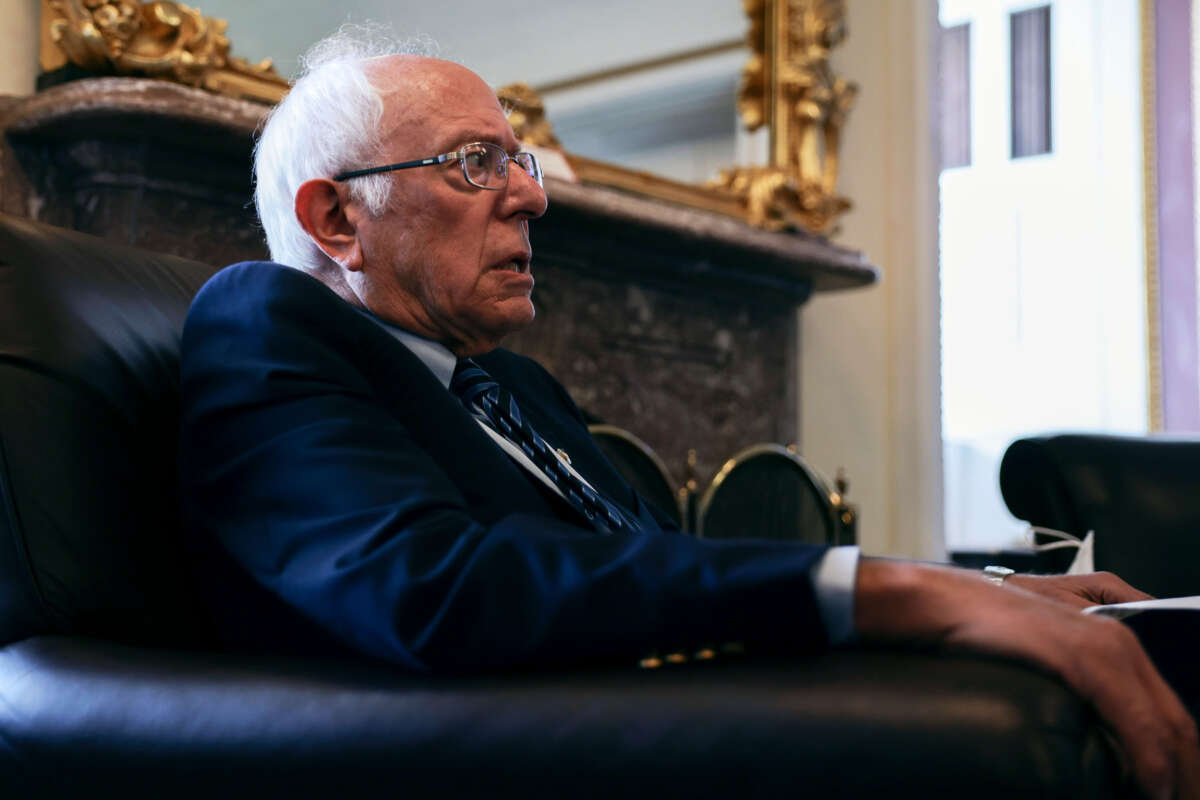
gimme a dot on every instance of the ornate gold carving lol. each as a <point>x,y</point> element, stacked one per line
<point>153,39</point>
<point>768,194</point>
<point>527,115</point>
<point>708,198</point>
<point>752,94</point>
<point>789,86</point>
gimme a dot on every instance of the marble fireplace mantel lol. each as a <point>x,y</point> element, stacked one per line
<point>675,323</point>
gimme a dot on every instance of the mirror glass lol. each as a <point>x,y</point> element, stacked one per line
<point>646,84</point>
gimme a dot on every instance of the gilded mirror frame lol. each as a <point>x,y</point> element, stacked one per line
<point>787,86</point>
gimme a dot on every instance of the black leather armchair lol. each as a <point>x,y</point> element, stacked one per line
<point>1140,494</point>
<point>110,682</point>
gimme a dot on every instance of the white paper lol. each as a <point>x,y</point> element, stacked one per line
<point>1085,560</point>
<point>1122,610</point>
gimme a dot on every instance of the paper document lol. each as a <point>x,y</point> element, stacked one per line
<point>1122,610</point>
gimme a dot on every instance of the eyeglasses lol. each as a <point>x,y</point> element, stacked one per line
<point>483,164</point>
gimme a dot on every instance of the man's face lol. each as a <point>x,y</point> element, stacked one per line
<point>448,260</point>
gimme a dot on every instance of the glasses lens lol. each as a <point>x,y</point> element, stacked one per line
<point>485,165</point>
<point>530,165</point>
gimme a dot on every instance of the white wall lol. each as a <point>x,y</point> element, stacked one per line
<point>19,35</point>
<point>869,386</point>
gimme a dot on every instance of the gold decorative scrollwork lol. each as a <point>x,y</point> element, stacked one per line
<point>752,94</point>
<point>527,115</point>
<point>789,86</point>
<point>153,39</point>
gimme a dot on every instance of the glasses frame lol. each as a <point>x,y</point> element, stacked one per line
<point>460,156</point>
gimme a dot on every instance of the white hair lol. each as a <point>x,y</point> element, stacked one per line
<point>328,123</point>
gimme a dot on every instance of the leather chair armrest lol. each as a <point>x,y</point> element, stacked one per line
<point>79,715</point>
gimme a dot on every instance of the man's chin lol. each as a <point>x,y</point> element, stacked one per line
<point>491,334</point>
<point>521,317</point>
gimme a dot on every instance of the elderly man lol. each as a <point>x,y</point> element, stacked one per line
<point>365,469</point>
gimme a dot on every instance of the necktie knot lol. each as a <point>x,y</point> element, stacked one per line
<point>470,380</point>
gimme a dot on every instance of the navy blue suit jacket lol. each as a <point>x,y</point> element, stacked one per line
<point>338,495</point>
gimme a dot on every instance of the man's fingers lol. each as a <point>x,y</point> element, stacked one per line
<point>1100,658</point>
<point>1189,780</point>
<point>1063,588</point>
<point>1104,669</point>
<point>1155,730</point>
<point>1111,589</point>
<point>1080,591</point>
<point>1182,728</point>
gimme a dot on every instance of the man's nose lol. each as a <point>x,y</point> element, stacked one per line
<point>524,194</point>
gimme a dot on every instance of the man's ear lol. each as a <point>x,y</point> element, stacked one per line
<point>322,211</point>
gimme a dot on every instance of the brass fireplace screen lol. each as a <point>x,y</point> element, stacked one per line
<point>787,86</point>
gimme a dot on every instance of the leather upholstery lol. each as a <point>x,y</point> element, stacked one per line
<point>89,554</point>
<point>1141,495</point>
<point>87,714</point>
<point>89,338</point>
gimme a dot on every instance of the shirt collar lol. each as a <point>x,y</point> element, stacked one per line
<point>437,357</point>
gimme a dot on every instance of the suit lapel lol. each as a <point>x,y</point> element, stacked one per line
<point>493,484</point>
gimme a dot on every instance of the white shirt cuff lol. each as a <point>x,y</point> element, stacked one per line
<point>833,584</point>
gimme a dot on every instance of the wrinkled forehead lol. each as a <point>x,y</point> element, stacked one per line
<point>433,105</point>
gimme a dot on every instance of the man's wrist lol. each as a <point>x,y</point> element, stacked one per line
<point>886,591</point>
<point>910,601</point>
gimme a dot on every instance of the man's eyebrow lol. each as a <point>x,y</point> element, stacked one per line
<point>467,137</point>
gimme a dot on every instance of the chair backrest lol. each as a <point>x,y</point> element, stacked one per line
<point>640,466</point>
<point>768,492</point>
<point>1141,495</point>
<point>89,382</point>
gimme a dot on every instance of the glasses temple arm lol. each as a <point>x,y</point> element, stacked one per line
<point>420,162</point>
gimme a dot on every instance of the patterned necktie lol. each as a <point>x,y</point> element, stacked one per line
<point>484,397</point>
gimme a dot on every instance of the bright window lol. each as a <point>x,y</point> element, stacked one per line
<point>1042,276</point>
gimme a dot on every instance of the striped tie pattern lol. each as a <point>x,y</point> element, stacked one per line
<point>485,398</point>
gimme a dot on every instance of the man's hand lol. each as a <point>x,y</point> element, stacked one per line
<point>1081,591</point>
<point>1098,657</point>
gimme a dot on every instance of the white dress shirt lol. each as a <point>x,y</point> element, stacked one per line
<point>833,576</point>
